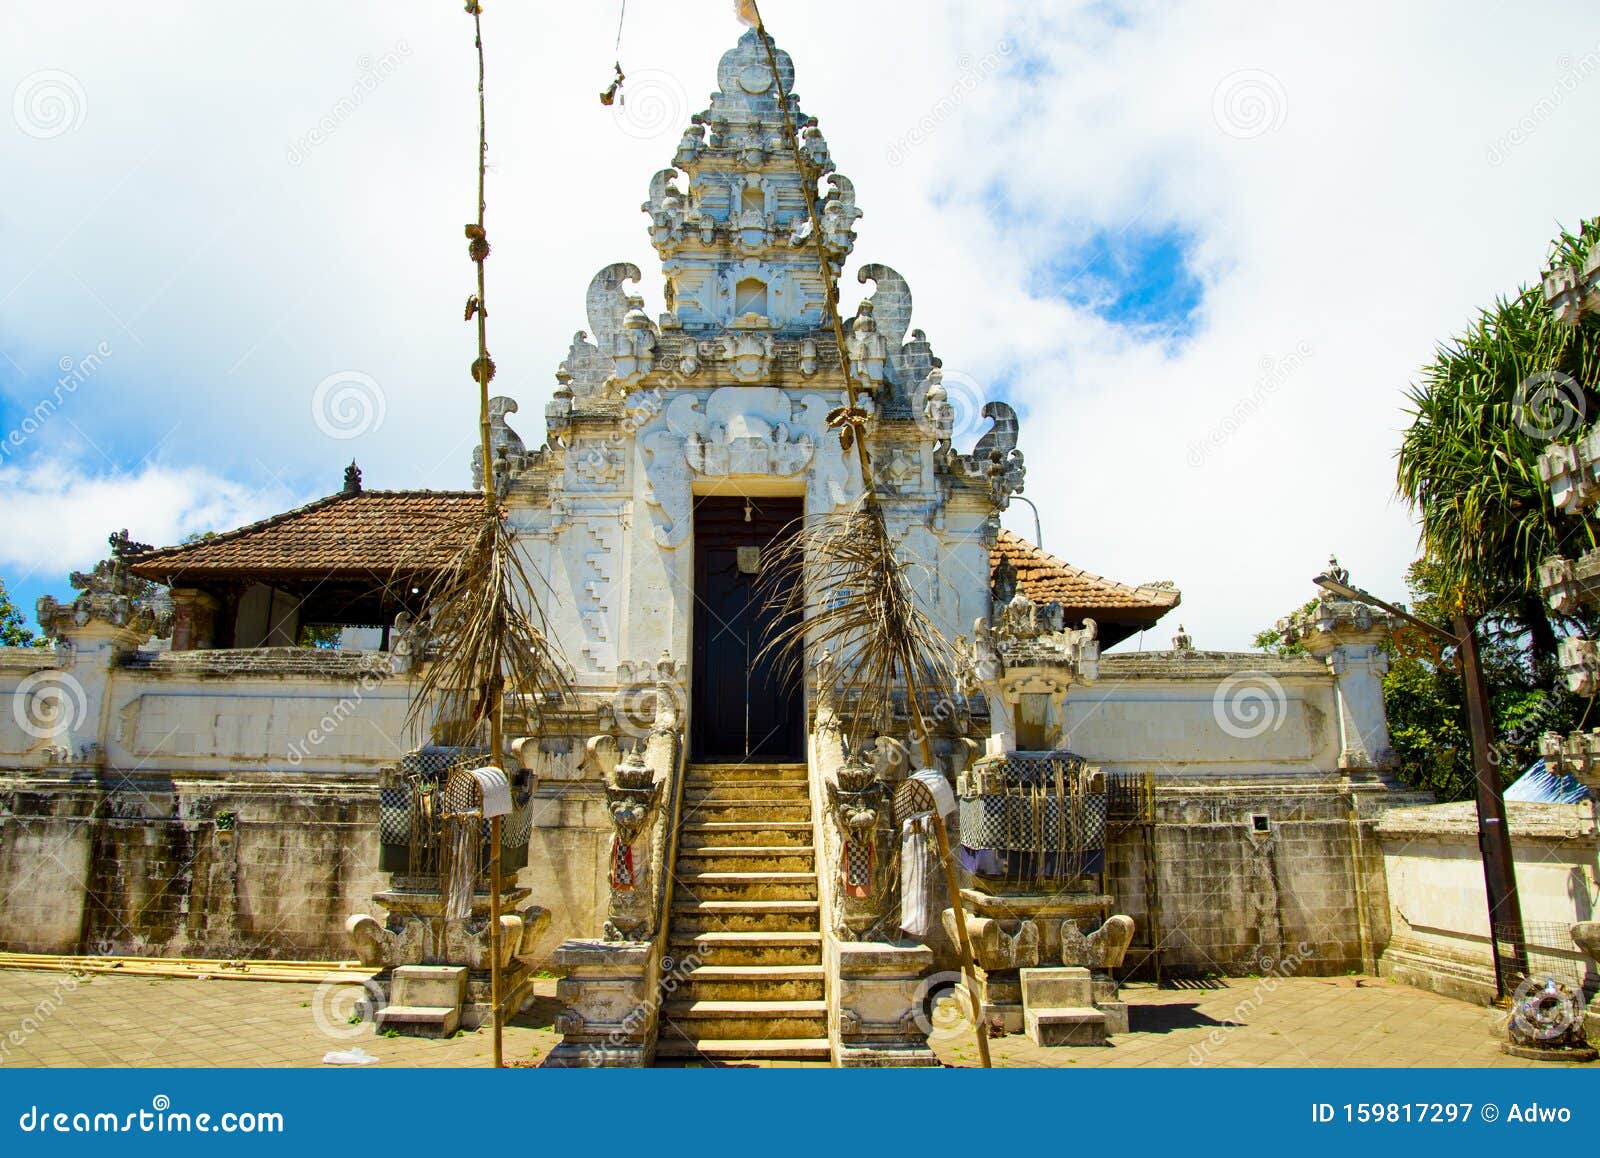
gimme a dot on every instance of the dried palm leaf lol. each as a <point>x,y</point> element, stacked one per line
<point>844,587</point>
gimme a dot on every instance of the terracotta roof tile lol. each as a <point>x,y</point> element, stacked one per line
<point>1046,579</point>
<point>365,532</point>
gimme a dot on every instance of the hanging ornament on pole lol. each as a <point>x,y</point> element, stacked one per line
<point>613,92</point>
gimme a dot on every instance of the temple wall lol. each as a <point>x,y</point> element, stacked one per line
<point>1260,851</point>
<point>1437,902</point>
<point>196,804</point>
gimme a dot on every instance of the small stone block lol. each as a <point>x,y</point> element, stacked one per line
<point>429,985</point>
<point>1116,1015</point>
<point>1077,1027</point>
<point>419,1020</point>
<point>1065,988</point>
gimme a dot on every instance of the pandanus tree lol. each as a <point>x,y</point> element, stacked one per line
<point>1493,397</point>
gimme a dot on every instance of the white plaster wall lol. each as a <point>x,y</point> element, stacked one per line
<point>1179,724</point>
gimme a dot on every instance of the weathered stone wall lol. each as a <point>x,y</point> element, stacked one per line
<point>1251,849</point>
<point>137,863</point>
<point>1230,899</point>
<point>1437,901</point>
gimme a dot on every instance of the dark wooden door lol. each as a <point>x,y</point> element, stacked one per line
<point>743,707</point>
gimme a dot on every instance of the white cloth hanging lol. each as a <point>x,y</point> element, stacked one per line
<point>939,788</point>
<point>496,790</point>
<point>916,875</point>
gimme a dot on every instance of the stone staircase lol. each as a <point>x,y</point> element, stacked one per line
<point>745,923</point>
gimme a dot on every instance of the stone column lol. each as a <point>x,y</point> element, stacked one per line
<point>91,634</point>
<point>1348,637</point>
<point>877,1021</point>
<point>194,615</point>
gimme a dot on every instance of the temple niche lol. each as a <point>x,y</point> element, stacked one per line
<point>688,829</point>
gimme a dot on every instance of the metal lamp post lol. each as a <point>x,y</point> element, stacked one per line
<point>1506,941</point>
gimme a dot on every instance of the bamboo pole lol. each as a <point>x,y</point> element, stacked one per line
<point>490,502</point>
<point>830,294</point>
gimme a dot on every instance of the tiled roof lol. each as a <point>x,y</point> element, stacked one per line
<point>375,532</point>
<point>1045,579</point>
<point>364,532</point>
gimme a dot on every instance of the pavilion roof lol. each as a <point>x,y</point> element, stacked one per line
<point>1082,594</point>
<point>364,532</point>
<point>377,532</point>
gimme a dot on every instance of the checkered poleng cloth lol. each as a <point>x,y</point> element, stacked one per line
<point>1017,810</point>
<point>858,867</point>
<point>431,765</point>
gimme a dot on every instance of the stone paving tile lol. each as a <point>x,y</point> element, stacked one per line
<point>1319,1022</point>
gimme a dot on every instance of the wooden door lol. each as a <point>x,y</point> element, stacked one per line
<point>743,707</point>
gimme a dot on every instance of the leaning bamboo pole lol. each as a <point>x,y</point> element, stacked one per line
<point>852,421</point>
<point>494,693</point>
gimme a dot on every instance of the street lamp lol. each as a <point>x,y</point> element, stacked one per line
<point>1494,838</point>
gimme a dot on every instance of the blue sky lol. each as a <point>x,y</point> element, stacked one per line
<point>1129,219</point>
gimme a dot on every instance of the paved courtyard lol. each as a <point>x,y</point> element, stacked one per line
<point>109,1020</point>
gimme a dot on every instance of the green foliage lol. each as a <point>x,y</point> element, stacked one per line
<point>13,626</point>
<point>324,635</point>
<point>1468,464</point>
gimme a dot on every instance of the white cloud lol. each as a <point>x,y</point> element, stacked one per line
<point>1382,203</point>
<point>58,518</point>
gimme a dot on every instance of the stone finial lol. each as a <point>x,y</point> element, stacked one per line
<point>1183,641</point>
<point>352,479</point>
<point>1335,572</point>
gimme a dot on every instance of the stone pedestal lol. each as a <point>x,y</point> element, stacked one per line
<point>999,981</point>
<point>608,1005</point>
<point>416,932</point>
<point>877,1018</point>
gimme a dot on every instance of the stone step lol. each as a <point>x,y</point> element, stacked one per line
<point>764,949</point>
<point>727,773</point>
<point>732,858</point>
<point>702,1020</point>
<point>747,886</point>
<point>742,811</point>
<point>747,790</point>
<point>745,917</point>
<point>429,985</point>
<point>748,1049</point>
<point>701,833</point>
<point>419,1020</point>
<point>783,983</point>
<point>1066,1026</point>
